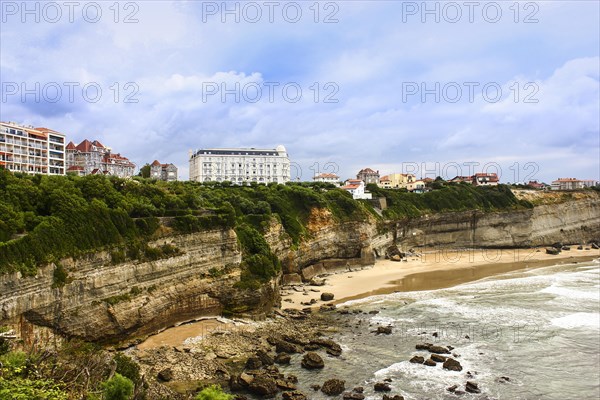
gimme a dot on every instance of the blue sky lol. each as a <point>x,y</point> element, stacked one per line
<point>372,59</point>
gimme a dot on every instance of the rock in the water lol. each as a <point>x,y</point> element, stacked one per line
<point>327,296</point>
<point>353,396</point>
<point>452,388</point>
<point>417,360</point>
<point>438,358</point>
<point>452,365</point>
<point>316,388</point>
<point>332,348</point>
<point>312,360</point>
<point>282,358</point>
<point>285,385</point>
<point>385,330</point>
<point>282,346</point>
<point>166,375</point>
<point>264,357</point>
<point>439,350</point>
<point>430,363</point>
<point>395,397</point>
<point>263,385</point>
<point>382,387</point>
<point>423,346</point>
<point>472,387</point>
<point>333,387</point>
<point>295,395</point>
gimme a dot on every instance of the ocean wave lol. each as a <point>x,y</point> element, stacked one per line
<point>578,320</point>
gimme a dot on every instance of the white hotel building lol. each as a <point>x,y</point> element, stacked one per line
<point>31,150</point>
<point>240,166</point>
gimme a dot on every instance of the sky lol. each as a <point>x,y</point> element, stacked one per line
<point>431,88</point>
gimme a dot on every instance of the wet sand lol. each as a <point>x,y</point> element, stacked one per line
<point>176,336</point>
<point>433,270</point>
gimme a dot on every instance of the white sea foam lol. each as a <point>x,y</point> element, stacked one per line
<point>571,293</point>
<point>578,320</point>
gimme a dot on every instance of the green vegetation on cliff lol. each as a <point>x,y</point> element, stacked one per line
<point>46,218</point>
<point>448,197</point>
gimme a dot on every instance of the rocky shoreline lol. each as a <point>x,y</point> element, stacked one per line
<point>247,360</point>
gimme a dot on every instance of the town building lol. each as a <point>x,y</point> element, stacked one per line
<point>459,179</point>
<point>572,184</point>
<point>31,150</point>
<point>240,166</point>
<point>367,175</point>
<point>396,181</point>
<point>418,186</point>
<point>537,185</point>
<point>91,158</point>
<point>163,172</point>
<point>327,178</point>
<point>356,187</point>
<point>485,179</point>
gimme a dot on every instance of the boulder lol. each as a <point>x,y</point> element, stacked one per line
<point>332,348</point>
<point>327,296</point>
<point>452,388</point>
<point>315,387</point>
<point>472,387</point>
<point>166,375</point>
<point>282,358</point>
<point>396,258</point>
<point>595,246</point>
<point>253,363</point>
<point>565,248</point>
<point>312,270</point>
<point>439,350</point>
<point>312,360</point>
<point>263,386</point>
<point>580,247</point>
<point>452,365</point>
<point>417,360</point>
<point>557,245</point>
<point>245,379</point>
<point>552,250</point>
<point>353,396</point>
<point>333,387</point>
<point>385,330</point>
<point>430,363</point>
<point>423,346</point>
<point>283,346</point>
<point>382,387</point>
<point>295,395</point>
<point>285,384</point>
<point>395,397</point>
<point>438,358</point>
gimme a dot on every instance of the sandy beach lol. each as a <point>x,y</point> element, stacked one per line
<point>434,269</point>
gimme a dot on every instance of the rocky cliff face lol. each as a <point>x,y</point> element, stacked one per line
<point>102,301</point>
<point>569,222</point>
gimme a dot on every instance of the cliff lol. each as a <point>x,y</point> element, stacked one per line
<point>101,301</point>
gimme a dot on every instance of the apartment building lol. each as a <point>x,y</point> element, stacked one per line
<point>88,158</point>
<point>327,178</point>
<point>572,183</point>
<point>396,181</point>
<point>32,150</point>
<point>367,175</point>
<point>240,166</point>
<point>163,172</point>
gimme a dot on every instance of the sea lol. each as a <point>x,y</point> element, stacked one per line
<point>529,334</point>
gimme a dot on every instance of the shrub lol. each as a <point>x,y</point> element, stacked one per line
<point>117,388</point>
<point>127,367</point>
<point>60,276</point>
<point>213,392</point>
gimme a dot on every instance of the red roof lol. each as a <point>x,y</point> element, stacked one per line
<point>156,164</point>
<point>85,146</point>
<point>71,146</point>
<point>350,187</point>
<point>327,176</point>
<point>98,144</point>
<point>75,168</point>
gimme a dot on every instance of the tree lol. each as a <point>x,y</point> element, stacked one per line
<point>145,171</point>
<point>117,388</point>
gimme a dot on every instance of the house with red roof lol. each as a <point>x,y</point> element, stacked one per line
<point>92,157</point>
<point>327,178</point>
<point>356,188</point>
<point>163,172</point>
<point>367,175</point>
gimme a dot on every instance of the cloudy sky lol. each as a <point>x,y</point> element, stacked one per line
<point>438,88</point>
